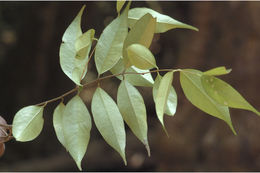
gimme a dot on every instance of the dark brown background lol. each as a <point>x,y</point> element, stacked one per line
<point>30,35</point>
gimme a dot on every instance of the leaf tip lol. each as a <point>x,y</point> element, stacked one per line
<point>148,150</point>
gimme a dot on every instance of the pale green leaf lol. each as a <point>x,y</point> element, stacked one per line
<point>83,44</point>
<point>145,80</point>
<point>171,104</point>
<point>57,122</point>
<point>110,44</point>
<point>132,107</point>
<point>162,95</point>
<point>76,125</point>
<point>191,84</point>
<point>141,57</point>
<point>28,123</point>
<point>225,94</point>
<point>119,5</point>
<point>217,71</point>
<point>142,33</point>
<point>163,22</point>
<point>109,121</point>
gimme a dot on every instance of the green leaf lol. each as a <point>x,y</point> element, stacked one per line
<point>57,123</point>
<point>28,123</point>
<point>119,5</point>
<point>225,94</point>
<point>142,33</point>
<point>171,104</point>
<point>145,80</point>
<point>75,49</point>
<point>76,125</point>
<point>141,57</point>
<point>162,95</point>
<point>217,71</point>
<point>163,22</point>
<point>110,44</point>
<point>109,121</point>
<point>191,84</point>
<point>132,107</point>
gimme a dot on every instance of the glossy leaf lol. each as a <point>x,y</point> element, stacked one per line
<point>171,103</point>
<point>142,33</point>
<point>110,44</point>
<point>57,123</point>
<point>225,94</point>
<point>162,95</point>
<point>217,71</point>
<point>163,22</point>
<point>119,5</point>
<point>132,107</point>
<point>145,80</point>
<point>141,57</point>
<point>109,121</point>
<point>74,50</point>
<point>76,124</point>
<point>192,87</point>
<point>28,123</point>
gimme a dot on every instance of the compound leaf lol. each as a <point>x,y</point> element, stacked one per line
<point>28,123</point>
<point>76,124</point>
<point>57,123</point>
<point>109,121</point>
<point>141,33</point>
<point>132,107</point>
<point>141,57</point>
<point>225,94</point>
<point>171,104</point>
<point>145,80</point>
<point>162,95</point>
<point>110,44</point>
<point>163,22</point>
<point>192,87</point>
<point>217,71</point>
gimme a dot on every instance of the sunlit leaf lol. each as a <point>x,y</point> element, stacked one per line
<point>110,44</point>
<point>191,84</point>
<point>119,5</point>
<point>28,123</point>
<point>57,123</point>
<point>83,44</point>
<point>162,95</point>
<point>217,71</point>
<point>132,107</point>
<point>109,121</point>
<point>141,57</point>
<point>171,104</point>
<point>225,94</point>
<point>163,22</point>
<point>142,33</point>
<point>76,124</point>
<point>145,80</point>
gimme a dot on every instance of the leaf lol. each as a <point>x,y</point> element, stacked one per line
<point>119,5</point>
<point>141,57</point>
<point>217,71</point>
<point>132,107</point>
<point>225,94</point>
<point>75,49</point>
<point>28,123</point>
<point>76,124</point>
<point>192,87</point>
<point>163,22</point>
<point>162,95</point>
<point>142,33</point>
<point>171,104</point>
<point>57,123</point>
<point>145,80</point>
<point>110,44</point>
<point>109,121</point>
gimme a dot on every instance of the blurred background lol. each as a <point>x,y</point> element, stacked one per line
<point>30,36</point>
